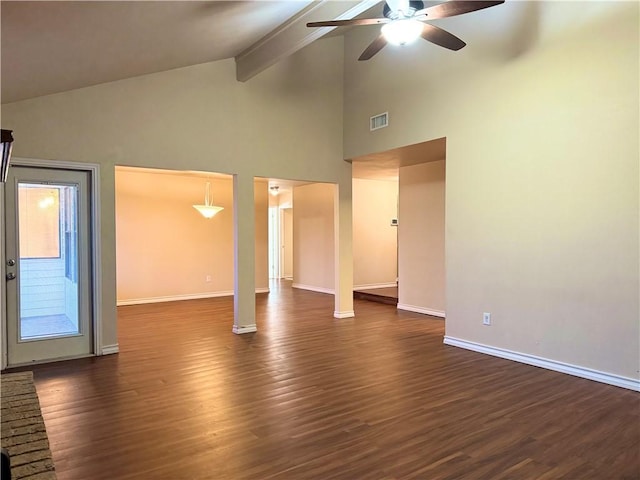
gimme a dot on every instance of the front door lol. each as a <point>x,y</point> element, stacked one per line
<point>47,265</point>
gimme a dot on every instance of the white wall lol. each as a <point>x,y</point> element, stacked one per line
<point>421,238</point>
<point>197,118</point>
<point>313,235</point>
<point>542,191</point>
<point>375,241</point>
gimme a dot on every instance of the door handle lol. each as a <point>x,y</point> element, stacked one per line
<point>11,262</point>
<point>11,276</point>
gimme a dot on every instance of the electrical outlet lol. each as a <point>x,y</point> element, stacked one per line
<point>486,318</point>
<point>207,278</point>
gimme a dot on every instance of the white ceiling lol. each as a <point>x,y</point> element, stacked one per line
<point>386,165</point>
<point>55,46</point>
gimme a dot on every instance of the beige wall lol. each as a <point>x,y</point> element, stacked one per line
<point>375,246</point>
<point>542,172</point>
<point>165,249</point>
<point>421,238</point>
<point>261,198</point>
<point>197,118</point>
<point>313,230</point>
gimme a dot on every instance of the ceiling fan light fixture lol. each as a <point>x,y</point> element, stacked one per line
<point>402,32</point>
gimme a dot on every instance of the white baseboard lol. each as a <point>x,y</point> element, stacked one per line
<point>425,311</point>
<point>177,298</point>
<point>241,329</point>
<point>371,286</point>
<point>582,372</point>
<point>110,349</point>
<point>288,277</point>
<point>346,314</point>
<point>330,291</point>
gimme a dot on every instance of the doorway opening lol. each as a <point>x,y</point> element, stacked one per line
<point>419,173</point>
<point>166,248</point>
<point>281,228</point>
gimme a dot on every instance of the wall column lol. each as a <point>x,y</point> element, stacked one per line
<point>343,250</point>
<point>244,299</point>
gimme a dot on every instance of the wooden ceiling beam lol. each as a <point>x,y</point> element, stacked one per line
<point>294,34</point>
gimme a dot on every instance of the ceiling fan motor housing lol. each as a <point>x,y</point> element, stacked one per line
<point>414,6</point>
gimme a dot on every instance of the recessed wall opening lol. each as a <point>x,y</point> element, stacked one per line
<point>301,235</point>
<point>167,250</point>
<point>401,190</point>
<point>281,228</point>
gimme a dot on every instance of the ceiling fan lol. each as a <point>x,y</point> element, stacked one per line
<point>403,22</point>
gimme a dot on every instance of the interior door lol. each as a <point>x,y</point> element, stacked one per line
<point>47,265</point>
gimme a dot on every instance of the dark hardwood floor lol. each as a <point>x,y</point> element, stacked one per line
<point>311,397</point>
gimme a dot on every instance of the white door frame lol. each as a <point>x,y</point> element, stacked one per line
<point>95,257</point>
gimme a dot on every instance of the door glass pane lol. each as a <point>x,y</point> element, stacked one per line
<point>48,276</point>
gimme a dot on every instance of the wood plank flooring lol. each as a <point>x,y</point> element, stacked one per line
<point>311,397</point>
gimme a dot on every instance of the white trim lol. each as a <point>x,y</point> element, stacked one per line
<point>178,298</point>
<point>371,286</point>
<point>330,291</point>
<point>4,359</point>
<point>96,255</point>
<point>577,371</point>
<point>110,349</point>
<point>425,311</point>
<point>288,277</point>
<point>173,298</point>
<point>95,201</point>
<point>347,314</point>
<point>242,329</point>
<point>51,360</point>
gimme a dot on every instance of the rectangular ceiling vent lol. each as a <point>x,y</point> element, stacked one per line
<point>379,121</point>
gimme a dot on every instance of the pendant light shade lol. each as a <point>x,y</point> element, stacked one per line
<point>208,210</point>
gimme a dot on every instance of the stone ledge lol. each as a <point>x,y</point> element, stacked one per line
<point>23,431</point>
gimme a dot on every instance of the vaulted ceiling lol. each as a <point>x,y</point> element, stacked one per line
<point>55,46</point>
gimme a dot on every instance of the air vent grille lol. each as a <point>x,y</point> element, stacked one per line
<point>379,121</point>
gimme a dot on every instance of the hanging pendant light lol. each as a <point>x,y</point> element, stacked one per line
<point>208,210</point>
